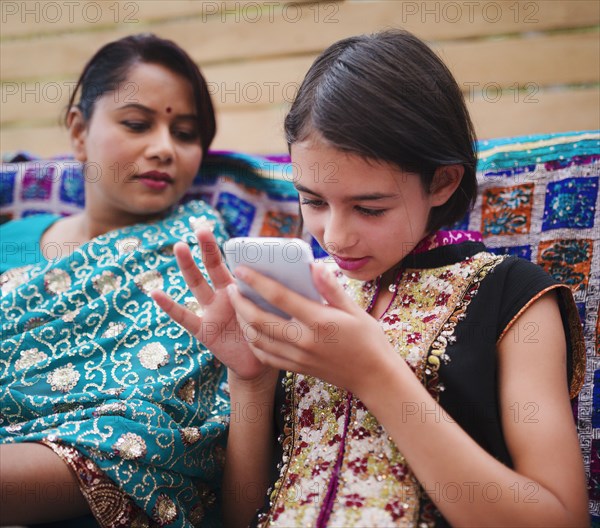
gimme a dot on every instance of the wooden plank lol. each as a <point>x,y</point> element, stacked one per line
<point>43,141</point>
<point>260,130</point>
<point>539,60</point>
<point>482,66</point>
<point>240,84</point>
<point>302,29</point>
<point>543,112</point>
<point>34,17</point>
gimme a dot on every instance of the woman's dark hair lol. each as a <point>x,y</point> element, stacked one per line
<point>388,97</point>
<point>110,65</point>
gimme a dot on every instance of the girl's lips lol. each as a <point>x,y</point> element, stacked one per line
<point>350,264</point>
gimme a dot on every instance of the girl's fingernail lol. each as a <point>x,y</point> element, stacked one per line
<point>231,289</point>
<point>241,273</point>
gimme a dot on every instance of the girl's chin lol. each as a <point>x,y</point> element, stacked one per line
<point>361,275</point>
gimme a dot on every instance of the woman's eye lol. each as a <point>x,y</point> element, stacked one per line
<point>186,135</point>
<point>312,203</point>
<point>136,126</point>
<point>370,212</point>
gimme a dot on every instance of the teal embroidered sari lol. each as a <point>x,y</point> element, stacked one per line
<point>92,368</point>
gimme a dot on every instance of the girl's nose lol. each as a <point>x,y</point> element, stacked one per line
<point>339,235</point>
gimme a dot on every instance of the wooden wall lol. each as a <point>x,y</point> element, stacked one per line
<point>525,66</point>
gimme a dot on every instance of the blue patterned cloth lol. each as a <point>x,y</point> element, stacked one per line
<point>89,361</point>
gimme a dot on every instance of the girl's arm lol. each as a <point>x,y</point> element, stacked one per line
<point>251,384</point>
<point>546,486</point>
<point>470,487</point>
<point>249,448</point>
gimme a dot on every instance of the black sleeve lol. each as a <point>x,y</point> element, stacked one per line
<point>504,293</point>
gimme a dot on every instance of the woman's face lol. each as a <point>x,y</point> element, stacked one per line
<point>141,146</point>
<point>367,215</point>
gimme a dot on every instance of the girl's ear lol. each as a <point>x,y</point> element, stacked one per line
<point>446,180</point>
<point>77,133</point>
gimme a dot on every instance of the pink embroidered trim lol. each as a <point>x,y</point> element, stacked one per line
<point>444,238</point>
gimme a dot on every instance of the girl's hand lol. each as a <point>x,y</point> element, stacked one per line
<point>217,328</point>
<point>337,342</point>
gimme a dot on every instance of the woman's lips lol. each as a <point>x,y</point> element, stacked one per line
<point>155,180</point>
<point>350,264</point>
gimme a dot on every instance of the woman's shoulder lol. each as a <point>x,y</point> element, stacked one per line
<point>20,240</point>
<point>33,224</point>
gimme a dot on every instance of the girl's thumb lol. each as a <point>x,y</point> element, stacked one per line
<point>328,286</point>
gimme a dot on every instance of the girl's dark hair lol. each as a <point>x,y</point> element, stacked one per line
<point>389,98</point>
<point>110,65</point>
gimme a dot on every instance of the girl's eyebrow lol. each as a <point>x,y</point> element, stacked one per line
<point>150,111</point>
<point>357,198</point>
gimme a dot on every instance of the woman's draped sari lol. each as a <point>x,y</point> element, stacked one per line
<point>92,368</point>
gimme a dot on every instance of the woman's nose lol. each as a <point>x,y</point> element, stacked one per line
<point>160,145</point>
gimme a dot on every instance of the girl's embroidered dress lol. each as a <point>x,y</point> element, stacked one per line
<point>453,302</point>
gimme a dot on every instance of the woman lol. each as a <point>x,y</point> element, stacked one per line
<point>103,398</point>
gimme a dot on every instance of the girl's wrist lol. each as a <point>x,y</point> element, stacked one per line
<point>261,384</point>
<point>375,386</point>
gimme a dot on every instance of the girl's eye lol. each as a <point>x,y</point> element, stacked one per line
<point>312,203</point>
<point>370,212</point>
<point>136,126</point>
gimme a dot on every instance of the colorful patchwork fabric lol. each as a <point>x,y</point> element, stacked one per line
<point>538,200</point>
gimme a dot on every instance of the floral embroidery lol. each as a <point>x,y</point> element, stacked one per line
<point>187,392</point>
<point>63,379</point>
<point>153,356</point>
<point>202,222</point>
<point>110,408</point>
<point>106,282</point>
<point>69,317</point>
<point>190,435</point>
<point>164,511</point>
<point>130,446</point>
<point>57,281</point>
<point>114,329</point>
<point>128,245</point>
<point>149,281</point>
<point>34,322</point>
<point>12,278</point>
<point>29,358</point>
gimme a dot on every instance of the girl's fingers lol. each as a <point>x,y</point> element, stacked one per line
<point>277,361</point>
<point>331,290</point>
<point>286,339</point>
<point>211,257</point>
<point>192,274</point>
<point>186,318</point>
<point>246,311</point>
<point>278,295</point>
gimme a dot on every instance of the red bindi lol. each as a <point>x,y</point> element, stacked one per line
<point>168,109</point>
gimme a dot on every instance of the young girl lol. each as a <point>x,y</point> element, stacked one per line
<point>410,397</point>
<point>107,405</point>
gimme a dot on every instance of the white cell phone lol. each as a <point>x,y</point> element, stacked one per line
<point>286,260</point>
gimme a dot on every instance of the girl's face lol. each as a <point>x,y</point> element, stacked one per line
<point>141,146</point>
<point>367,215</point>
